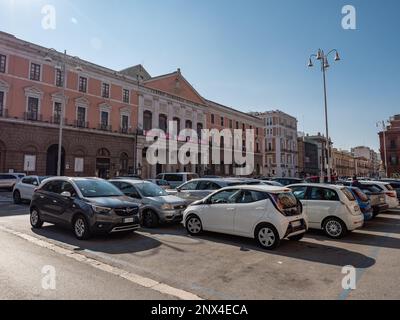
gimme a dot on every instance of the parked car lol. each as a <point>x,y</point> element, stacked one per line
<point>375,194</point>
<point>317,179</point>
<point>271,183</point>
<point>9,180</point>
<point>130,176</point>
<point>331,208</point>
<point>156,205</point>
<point>198,189</point>
<point>390,194</point>
<point>23,190</point>
<point>176,179</point>
<point>88,205</point>
<point>287,181</point>
<point>268,214</point>
<point>395,185</point>
<point>161,183</point>
<point>364,203</point>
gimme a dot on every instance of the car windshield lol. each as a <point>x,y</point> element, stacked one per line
<point>348,194</point>
<point>97,188</point>
<point>150,190</point>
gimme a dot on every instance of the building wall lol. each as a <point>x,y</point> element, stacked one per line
<point>392,136</point>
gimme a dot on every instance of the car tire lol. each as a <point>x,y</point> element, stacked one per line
<point>150,219</point>
<point>297,237</point>
<point>334,228</point>
<point>193,225</point>
<point>36,221</point>
<point>267,236</point>
<point>17,197</point>
<point>81,228</point>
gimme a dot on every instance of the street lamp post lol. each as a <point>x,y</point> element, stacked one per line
<point>63,68</point>
<point>321,56</point>
<point>384,128</point>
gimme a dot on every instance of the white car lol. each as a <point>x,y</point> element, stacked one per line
<point>390,193</point>
<point>268,214</point>
<point>8,180</point>
<point>24,188</point>
<point>330,208</point>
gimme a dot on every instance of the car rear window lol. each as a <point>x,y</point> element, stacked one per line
<point>285,200</point>
<point>174,177</point>
<point>363,197</point>
<point>348,194</point>
<point>389,187</point>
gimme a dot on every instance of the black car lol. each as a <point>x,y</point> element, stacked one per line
<point>87,205</point>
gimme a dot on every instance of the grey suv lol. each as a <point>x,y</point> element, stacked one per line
<point>157,206</point>
<point>88,205</point>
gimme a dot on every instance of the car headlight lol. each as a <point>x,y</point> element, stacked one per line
<point>167,206</point>
<point>101,210</point>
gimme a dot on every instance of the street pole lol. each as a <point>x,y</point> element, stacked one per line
<point>328,145</point>
<point>60,134</point>
<point>384,147</point>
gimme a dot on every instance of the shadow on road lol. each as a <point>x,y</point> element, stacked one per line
<point>302,250</point>
<point>118,243</point>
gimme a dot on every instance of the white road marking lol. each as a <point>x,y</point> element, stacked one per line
<point>132,277</point>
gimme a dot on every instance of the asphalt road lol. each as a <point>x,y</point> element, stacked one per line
<point>212,266</point>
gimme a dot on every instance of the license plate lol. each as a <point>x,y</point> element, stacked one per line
<point>296,224</point>
<point>382,199</point>
<point>128,220</point>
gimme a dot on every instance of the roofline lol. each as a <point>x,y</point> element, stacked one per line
<point>234,110</point>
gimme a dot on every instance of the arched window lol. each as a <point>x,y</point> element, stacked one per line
<point>147,120</point>
<point>162,122</point>
<point>178,124</point>
<point>199,128</point>
<point>103,152</point>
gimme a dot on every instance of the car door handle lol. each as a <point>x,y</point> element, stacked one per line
<point>54,201</point>
<point>230,209</point>
<point>260,208</point>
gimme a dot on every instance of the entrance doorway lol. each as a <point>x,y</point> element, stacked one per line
<point>52,160</point>
<point>103,164</point>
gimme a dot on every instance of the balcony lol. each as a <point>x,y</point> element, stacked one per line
<point>32,116</point>
<point>105,127</point>
<point>81,124</point>
<point>56,120</point>
<point>4,113</point>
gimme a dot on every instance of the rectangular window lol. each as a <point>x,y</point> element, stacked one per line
<point>81,117</point>
<point>105,90</point>
<point>124,124</point>
<point>1,104</point>
<point>104,120</point>
<point>237,124</point>
<point>35,72</point>
<point>222,121</point>
<point>3,63</point>
<point>212,119</point>
<point>33,109</point>
<point>126,96</point>
<point>59,78</point>
<point>231,124</point>
<point>82,84</point>
<point>57,112</point>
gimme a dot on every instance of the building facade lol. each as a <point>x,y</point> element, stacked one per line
<point>281,151</point>
<point>392,146</point>
<point>106,118</point>
<point>307,158</point>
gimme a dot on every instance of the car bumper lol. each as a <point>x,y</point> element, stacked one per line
<point>393,203</point>
<point>380,208</point>
<point>116,224</point>
<point>169,216</point>
<point>295,227</point>
<point>355,222</point>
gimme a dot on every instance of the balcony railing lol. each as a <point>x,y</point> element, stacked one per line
<point>81,124</point>
<point>3,113</point>
<point>105,127</point>
<point>33,116</point>
<point>56,120</point>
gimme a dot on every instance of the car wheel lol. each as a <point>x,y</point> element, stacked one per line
<point>81,228</point>
<point>194,225</point>
<point>150,219</point>
<point>334,228</point>
<point>17,197</point>
<point>297,237</point>
<point>35,220</point>
<point>267,236</point>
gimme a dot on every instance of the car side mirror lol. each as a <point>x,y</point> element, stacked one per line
<point>178,189</point>
<point>66,194</point>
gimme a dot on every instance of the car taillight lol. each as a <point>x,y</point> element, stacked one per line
<point>36,189</point>
<point>392,194</point>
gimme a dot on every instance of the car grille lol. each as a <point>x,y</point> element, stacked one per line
<point>124,212</point>
<point>180,207</point>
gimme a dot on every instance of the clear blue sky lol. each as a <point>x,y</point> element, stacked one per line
<point>251,55</point>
